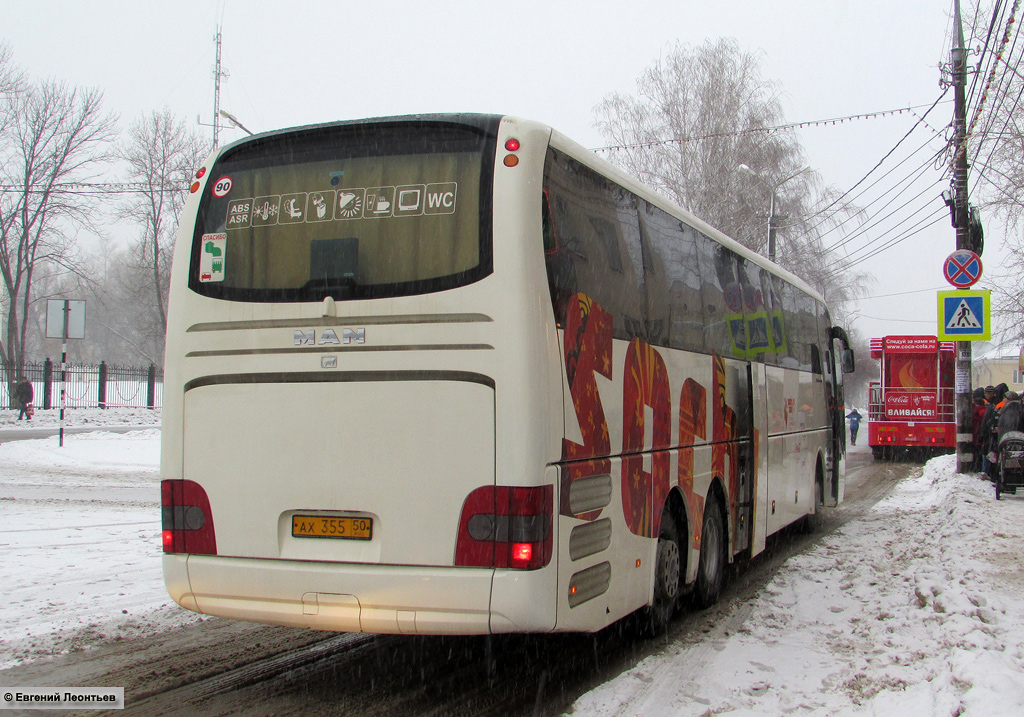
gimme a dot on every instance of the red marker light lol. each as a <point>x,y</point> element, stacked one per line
<point>201,172</point>
<point>522,551</point>
<point>512,144</point>
<point>168,538</point>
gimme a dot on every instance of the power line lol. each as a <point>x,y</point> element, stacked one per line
<point>920,121</point>
<point>92,188</point>
<point>901,293</point>
<point>765,130</point>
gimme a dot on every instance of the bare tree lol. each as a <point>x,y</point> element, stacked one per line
<point>162,153</point>
<point>996,151</point>
<point>55,138</point>
<point>699,114</point>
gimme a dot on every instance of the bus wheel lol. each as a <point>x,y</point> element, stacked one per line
<point>811,522</point>
<point>711,569</point>
<point>668,575</point>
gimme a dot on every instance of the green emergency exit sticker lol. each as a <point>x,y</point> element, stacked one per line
<point>211,258</point>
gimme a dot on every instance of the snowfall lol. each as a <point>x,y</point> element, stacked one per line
<point>913,609</point>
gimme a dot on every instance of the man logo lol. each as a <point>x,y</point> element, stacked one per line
<point>329,336</point>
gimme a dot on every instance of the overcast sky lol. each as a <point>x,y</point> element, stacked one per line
<point>293,63</point>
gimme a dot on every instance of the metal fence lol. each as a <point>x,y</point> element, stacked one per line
<point>86,386</point>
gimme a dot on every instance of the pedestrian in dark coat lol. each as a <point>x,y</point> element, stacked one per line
<point>854,418</point>
<point>1010,414</point>
<point>24,395</point>
<point>980,404</point>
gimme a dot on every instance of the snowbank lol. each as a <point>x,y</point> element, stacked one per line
<point>80,539</point>
<point>74,417</point>
<point>913,610</point>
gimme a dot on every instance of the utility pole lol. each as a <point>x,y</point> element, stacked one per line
<point>964,399</point>
<point>218,73</point>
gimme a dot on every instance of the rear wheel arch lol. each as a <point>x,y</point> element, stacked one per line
<point>669,566</point>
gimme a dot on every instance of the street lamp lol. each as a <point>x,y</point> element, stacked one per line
<point>771,207</point>
<point>234,120</point>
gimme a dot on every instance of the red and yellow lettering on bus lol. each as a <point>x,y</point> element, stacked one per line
<point>693,414</point>
<point>588,348</point>
<point>645,384</point>
<point>723,426</point>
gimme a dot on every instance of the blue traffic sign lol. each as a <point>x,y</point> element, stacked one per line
<point>964,316</point>
<point>962,268</point>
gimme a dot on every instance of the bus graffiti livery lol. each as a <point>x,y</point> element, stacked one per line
<point>453,374</point>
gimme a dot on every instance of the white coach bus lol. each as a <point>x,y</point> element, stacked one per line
<point>454,374</point>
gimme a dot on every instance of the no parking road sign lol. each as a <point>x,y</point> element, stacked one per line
<point>964,316</point>
<point>962,268</point>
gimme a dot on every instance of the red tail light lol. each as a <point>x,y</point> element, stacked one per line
<point>186,517</point>
<point>506,527</point>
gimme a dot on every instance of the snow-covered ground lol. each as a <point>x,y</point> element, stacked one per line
<point>76,417</point>
<point>80,540</point>
<point>913,610</point>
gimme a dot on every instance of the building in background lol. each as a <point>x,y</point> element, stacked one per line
<point>999,364</point>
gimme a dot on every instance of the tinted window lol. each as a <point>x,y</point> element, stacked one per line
<point>675,313</point>
<point>361,210</point>
<point>725,329</point>
<point>596,244</point>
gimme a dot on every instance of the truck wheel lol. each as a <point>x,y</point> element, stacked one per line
<point>668,576</point>
<point>711,569</point>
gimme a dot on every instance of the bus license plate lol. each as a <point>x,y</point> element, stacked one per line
<point>318,526</point>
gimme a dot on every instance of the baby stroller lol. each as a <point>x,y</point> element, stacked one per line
<point>1011,463</point>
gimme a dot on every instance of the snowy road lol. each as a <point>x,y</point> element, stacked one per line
<point>910,607</point>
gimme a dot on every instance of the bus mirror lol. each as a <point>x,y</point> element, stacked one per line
<point>849,364</point>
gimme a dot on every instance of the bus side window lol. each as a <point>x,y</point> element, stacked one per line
<point>598,234</point>
<point>673,281</point>
<point>716,263</point>
<point>559,264</point>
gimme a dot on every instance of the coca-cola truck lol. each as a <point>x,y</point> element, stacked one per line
<point>912,407</point>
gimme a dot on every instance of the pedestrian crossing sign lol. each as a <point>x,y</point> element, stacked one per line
<point>964,316</point>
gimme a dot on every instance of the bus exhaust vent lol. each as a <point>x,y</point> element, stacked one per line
<point>591,493</point>
<point>588,584</point>
<point>590,538</point>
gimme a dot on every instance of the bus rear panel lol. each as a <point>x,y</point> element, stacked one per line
<point>912,406</point>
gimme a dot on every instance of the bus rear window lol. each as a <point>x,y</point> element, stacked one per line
<point>351,211</point>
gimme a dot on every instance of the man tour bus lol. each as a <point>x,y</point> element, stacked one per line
<point>454,374</point>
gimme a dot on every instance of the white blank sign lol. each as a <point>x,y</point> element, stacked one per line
<point>55,319</point>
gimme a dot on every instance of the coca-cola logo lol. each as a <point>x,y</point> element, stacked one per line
<point>910,405</point>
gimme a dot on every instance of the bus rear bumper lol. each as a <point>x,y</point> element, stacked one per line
<point>341,597</point>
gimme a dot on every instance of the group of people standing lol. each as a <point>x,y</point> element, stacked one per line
<point>996,411</point>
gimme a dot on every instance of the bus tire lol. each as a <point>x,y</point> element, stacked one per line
<point>811,522</point>
<point>711,566</point>
<point>668,577</point>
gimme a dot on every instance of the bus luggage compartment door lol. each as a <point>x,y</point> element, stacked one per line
<point>399,455</point>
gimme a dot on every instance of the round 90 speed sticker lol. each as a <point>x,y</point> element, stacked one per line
<point>222,187</point>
